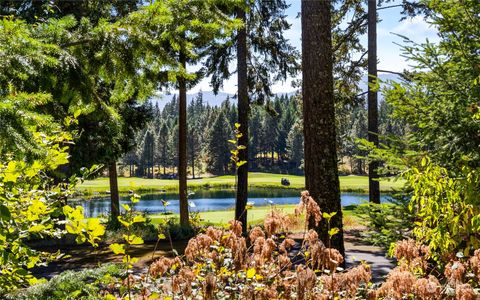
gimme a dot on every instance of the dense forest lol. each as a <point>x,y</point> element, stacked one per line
<point>275,137</point>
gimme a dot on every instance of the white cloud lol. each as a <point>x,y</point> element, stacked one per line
<point>417,29</point>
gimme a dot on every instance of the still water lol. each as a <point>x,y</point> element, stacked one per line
<point>205,200</point>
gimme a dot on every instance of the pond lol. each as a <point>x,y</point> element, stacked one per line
<point>208,200</point>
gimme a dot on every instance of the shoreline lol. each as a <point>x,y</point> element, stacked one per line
<point>348,184</point>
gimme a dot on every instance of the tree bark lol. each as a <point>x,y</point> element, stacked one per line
<point>321,171</point>
<point>373,184</point>
<point>114,197</point>
<point>243,106</point>
<point>182,146</point>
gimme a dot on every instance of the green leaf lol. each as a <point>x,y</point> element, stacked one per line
<point>333,231</point>
<point>4,213</point>
<point>328,216</point>
<point>77,113</point>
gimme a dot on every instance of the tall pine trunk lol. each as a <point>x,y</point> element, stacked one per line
<point>373,184</point>
<point>182,146</point>
<point>321,172</point>
<point>243,106</point>
<point>114,197</point>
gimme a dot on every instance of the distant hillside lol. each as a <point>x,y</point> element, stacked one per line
<point>215,100</point>
<point>208,97</point>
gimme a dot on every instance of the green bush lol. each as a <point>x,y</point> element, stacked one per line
<point>83,284</point>
<point>447,208</point>
<point>387,222</point>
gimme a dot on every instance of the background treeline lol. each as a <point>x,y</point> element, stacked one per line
<point>276,137</point>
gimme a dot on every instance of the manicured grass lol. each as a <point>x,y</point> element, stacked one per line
<point>255,215</point>
<point>258,180</point>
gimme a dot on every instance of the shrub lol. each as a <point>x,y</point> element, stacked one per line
<point>447,208</point>
<point>84,284</point>
<point>387,222</point>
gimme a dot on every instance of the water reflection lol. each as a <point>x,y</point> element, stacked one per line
<point>206,200</point>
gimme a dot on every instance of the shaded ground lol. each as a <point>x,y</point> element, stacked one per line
<point>86,257</point>
<point>357,250</point>
<point>80,257</point>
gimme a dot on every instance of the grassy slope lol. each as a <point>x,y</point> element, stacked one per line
<point>347,183</point>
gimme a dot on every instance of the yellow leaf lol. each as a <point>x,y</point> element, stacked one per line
<point>36,228</point>
<point>10,173</point>
<point>333,231</point>
<point>251,272</point>
<point>95,228</point>
<point>126,207</point>
<point>139,219</point>
<point>133,260</point>
<point>133,239</point>
<point>124,223</point>
<point>117,248</point>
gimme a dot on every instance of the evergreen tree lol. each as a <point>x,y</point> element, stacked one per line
<point>295,147</point>
<point>263,57</point>
<point>218,160</point>
<point>373,184</point>
<point>162,146</point>
<point>319,117</point>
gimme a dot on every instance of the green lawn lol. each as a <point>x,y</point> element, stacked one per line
<point>255,215</point>
<point>259,180</point>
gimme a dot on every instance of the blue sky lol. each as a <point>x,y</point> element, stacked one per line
<point>389,53</point>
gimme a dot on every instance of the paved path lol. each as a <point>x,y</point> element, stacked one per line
<point>357,251</point>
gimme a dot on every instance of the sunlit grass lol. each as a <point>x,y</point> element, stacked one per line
<point>257,180</point>
<point>255,215</point>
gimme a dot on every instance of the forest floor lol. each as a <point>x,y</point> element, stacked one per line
<point>349,183</point>
<point>82,256</point>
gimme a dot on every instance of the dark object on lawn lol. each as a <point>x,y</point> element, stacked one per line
<point>285,182</point>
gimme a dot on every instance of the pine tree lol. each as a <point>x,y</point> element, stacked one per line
<point>263,57</point>
<point>218,160</point>
<point>295,147</point>
<point>162,146</point>
<point>373,184</point>
<point>319,117</point>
